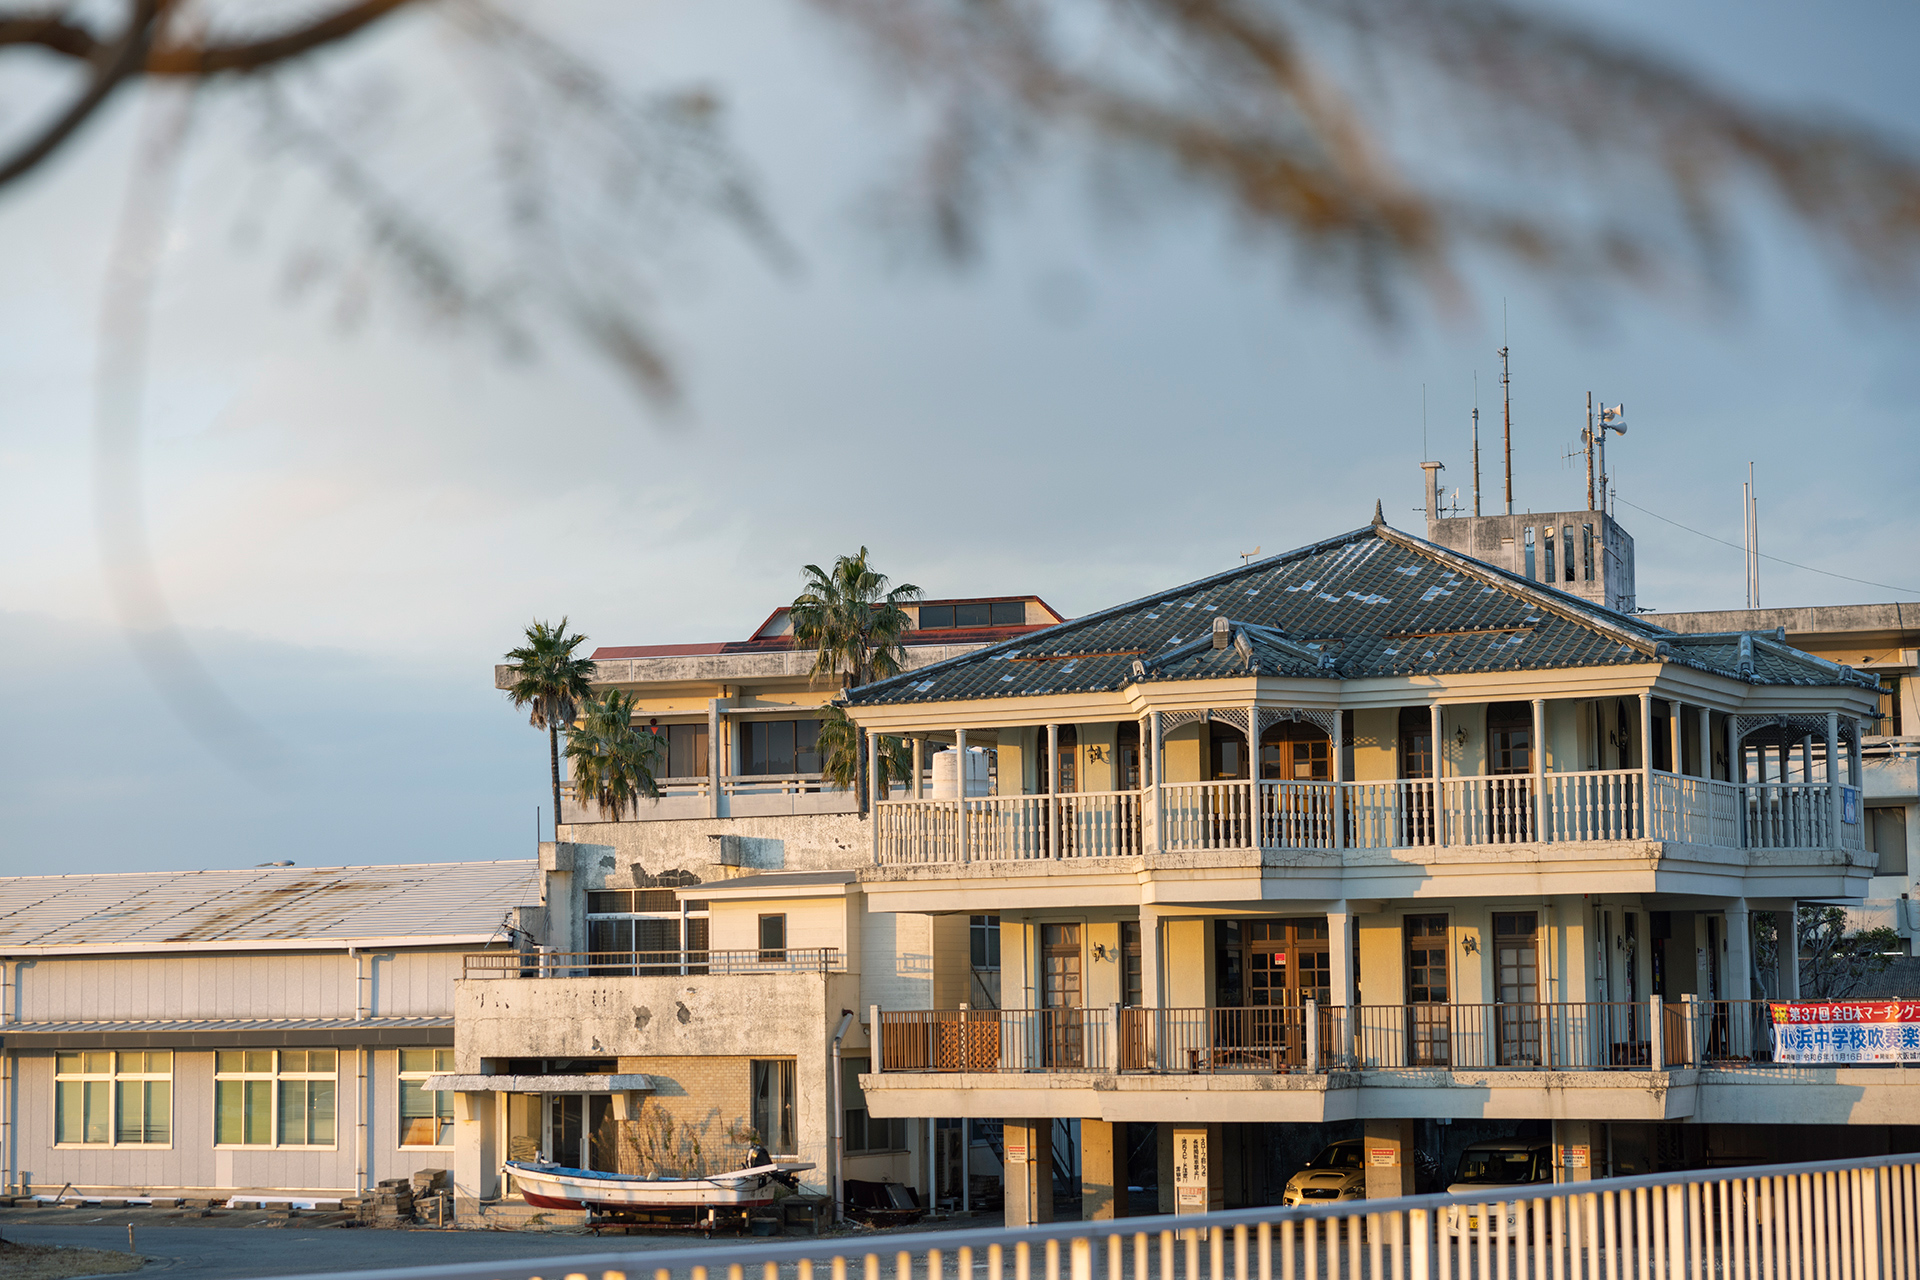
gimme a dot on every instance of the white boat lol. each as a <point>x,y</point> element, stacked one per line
<point>552,1186</point>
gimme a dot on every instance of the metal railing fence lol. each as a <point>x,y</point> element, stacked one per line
<point>1853,1219</point>
<point>643,964</point>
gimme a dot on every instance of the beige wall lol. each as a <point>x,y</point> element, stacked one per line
<point>1376,741</point>
<point>811,922</point>
<point>1186,754</point>
<point>697,1119</point>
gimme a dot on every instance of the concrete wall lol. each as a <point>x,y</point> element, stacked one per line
<point>807,842</point>
<point>191,1162</point>
<point>1376,744</point>
<point>1186,754</point>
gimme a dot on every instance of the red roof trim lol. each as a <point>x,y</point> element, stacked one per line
<point>780,644</point>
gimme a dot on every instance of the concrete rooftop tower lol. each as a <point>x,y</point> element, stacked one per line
<point>1583,553</point>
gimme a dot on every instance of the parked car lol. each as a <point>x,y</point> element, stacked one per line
<point>1339,1172</point>
<point>1497,1172</point>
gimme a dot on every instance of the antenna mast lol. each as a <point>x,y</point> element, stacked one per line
<point>1587,435</point>
<point>1506,388</point>
<point>1476,443</point>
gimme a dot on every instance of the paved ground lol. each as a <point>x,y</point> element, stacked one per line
<point>238,1245</point>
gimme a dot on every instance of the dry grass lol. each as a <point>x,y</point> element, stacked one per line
<point>51,1262</point>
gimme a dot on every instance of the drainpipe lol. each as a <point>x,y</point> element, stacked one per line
<point>839,1117</point>
<point>357,960</point>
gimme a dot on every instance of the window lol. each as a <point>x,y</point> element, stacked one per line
<point>1295,751</point>
<point>1887,836</point>
<point>983,936</point>
<point>1529,544</point>
<point>1586,551</point>
<point>1510,737</point>
<point>779,746</point>
<point>1888,721</point>
<point>985,613</point>
<point>633,931</point>
<point>426,1115</point>
<point>103,1098</point>
<point>772,1083</point>
<point>1427,959</point>
<point>1132,989</point>
<point>1416,742</point>
<point>1547,538</point>
<point>1128,747</point>
<point>686,750</point>
<point>274,1097</point>
<point>862,1132</point>
<point>1566,551</point>
<point>773,937</point>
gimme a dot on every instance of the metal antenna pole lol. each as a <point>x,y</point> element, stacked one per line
<point>1476,443</point>
<point>1506,385</point>
<point>1753,496</point>
<point>1589,440</point>
<point>1746,539</point>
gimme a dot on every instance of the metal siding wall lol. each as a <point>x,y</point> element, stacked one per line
<point>114,988</point>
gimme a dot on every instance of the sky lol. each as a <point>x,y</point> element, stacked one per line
<point>352,521</point>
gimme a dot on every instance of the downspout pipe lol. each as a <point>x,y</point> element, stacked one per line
<point>839,1119</point>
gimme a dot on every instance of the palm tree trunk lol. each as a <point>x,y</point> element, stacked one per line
<point>553,761</point>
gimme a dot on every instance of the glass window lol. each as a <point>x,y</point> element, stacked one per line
<point>1530,549</point>
<point>1510,737</point>
<point>639,931</point>
<point>1009,613</point>
<point>773,937</point>
<point>426,1115</point>
<point>1887,840</point>
<point>1566,550</point>
<point>862,1132</point>
<point>1427,959</point>
<point>779,746</point>
<point>772,1084</point>
<point>268,1097</point>
<point>1888,721</point>
<point>1295,751</point>
<point>1547,538</point>
<point>936,617</point>
<point>1586,550</point>
<point>686,750</point>
<point>103,1098</point>
<point>973,615</point>
<point>984,937</point>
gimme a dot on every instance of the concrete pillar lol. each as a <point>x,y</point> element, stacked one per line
<point>1833,776</point>
<point>476,1148</point>
<point>1103,1170</point>
<point>1155,766</point>
<point>716,723</point>
<point>873,793</point>
<point>960,804</point>
<point>1339,958</point>
<point>1028,1145</point>
<point>1338,750</point>
<point>1198,1186</point>
<point>1538,758</point>
<point>1053,791</point>
<point>1439,772</point>
<point>1387,1147</point>
<point>919,765</point>
<point>1574,1150</point>
<point>1786,959</point>
<point>1706,742</point>
<point>1736,975</point>
<point>1163,1154</point>
<point>1646,766</point>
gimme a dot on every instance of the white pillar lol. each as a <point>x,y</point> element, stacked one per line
<point>1676,740</point>
<point>919,765</point>
<point>1540,826</point>
<point>1706,742</point>
<point>1053,791</point>
<point>1439,772</point>
<point>1736,975</point>
<point>1833,778</point>
<point>1786,952</point>
<point>873,793</point>
<point>1339,954</point>
<point>716,725</point>
<point>960,805</point>
<point>1646,765</point>
<point>1154,767</point>
<point>1339,753</point>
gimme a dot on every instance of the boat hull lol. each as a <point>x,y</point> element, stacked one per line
<point>578,1189</point>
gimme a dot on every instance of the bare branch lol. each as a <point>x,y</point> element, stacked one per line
<point>114,64</point>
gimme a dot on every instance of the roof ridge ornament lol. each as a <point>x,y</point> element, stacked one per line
<point>1379,516</point>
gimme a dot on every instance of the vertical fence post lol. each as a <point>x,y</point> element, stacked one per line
<point>1656,1035</point>
<point>1690,1024</point>
<point>1646,765</point>
<point>1313,1035</point>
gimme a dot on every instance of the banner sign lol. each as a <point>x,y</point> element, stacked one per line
<point>1847,1031</point>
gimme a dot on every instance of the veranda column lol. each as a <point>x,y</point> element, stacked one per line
<point>1833,778</point>
<point>1676,739</point>
<point>919,763</point>
<point>1254,832</point>
<point>1540,827</point>
<point>1053,791</point>
<point>1334,1048</point>
<point>714,738</point>
<point>1646,765</point>
<point>1706,743</point>
<point>1786,952</point>
<point>1736,977</point>
<point>1439,772</point>
<point>1339,806</point>
<point>873,791</point>
<point>960,805</point>
<point>1154,771</point>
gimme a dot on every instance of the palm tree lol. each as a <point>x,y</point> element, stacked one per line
<point>840,758</point>
<point>552,683</point>
<point>613,761</point>
<point>851,617</point>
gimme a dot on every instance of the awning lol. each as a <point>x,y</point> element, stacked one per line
<point>540,1084</point>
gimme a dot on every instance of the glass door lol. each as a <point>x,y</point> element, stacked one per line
<point>1516,951</point>
<point>1063,1034</point>
<point>1429,1026</point>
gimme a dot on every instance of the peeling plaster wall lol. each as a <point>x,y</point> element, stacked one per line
<point>804,842</point>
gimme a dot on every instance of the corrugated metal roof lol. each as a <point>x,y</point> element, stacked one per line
<point>189,1026</point>
<point>1374,602</point>
<point>172,909</point>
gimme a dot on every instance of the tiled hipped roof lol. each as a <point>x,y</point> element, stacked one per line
<point>1375,602</point>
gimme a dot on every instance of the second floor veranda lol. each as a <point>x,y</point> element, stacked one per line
<point>1543,772</point>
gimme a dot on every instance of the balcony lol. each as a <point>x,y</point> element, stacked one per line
<point>1512,809</point>
<point>739,796</point>
<point>649,964</point>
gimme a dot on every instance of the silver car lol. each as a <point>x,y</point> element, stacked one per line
<point>1498,1173</point>
<point>1339,1172</point>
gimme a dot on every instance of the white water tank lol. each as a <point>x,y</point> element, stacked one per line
<point>946,773</point>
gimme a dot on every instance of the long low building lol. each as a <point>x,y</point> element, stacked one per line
<point>267,1030</point>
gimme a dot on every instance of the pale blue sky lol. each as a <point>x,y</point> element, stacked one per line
<point>355,524</point>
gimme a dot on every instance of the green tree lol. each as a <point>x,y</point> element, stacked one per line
<point>1834,962</point>
<point>614,761</point>
<point>551,683</point>
<point>839,746</point>
<point>852,618</point>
